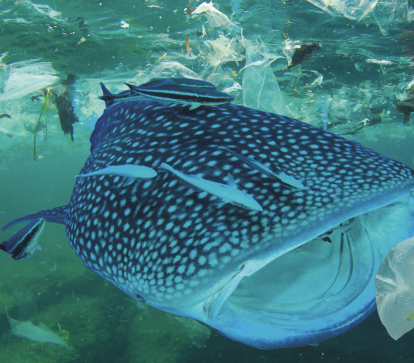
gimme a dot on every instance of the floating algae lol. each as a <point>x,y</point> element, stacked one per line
<point>40,333</point>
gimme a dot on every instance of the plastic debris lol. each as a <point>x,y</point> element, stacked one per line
<point>382,12</point>
<point>351,9</point>
<point>225,50</point>
<point>214,17</point>
<point>40,333</point>
<point>27,77</point>
<point>394,289</point>
<point>235,88</point>
<point>318,80</point>
<point>260,88</point>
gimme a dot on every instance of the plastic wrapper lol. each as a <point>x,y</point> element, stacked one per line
<point>26,77</point>
<point>394,289</point>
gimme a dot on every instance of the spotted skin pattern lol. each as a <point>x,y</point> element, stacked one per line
<point>159,243</point>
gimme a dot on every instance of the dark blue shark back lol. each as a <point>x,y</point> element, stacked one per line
<point>158,242</point>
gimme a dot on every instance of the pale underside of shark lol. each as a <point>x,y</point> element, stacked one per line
<point>239,271</point>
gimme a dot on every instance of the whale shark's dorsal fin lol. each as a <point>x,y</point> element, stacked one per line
<point>106,92</point>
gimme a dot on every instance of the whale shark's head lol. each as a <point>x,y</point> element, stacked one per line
<point>265,278</point>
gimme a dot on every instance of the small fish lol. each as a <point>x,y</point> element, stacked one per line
<point>24,243</point>
<point>129,171</point>
<point>5,115</point>
<point>228,193</point>
<point>155,82</point>
<point>254,164</point>
<point>131,95</point>
<point>171,92</point>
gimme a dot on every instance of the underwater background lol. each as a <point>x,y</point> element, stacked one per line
<point>354,84</point>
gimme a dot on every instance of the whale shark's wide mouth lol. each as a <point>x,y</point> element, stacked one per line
<point>317,291</point>
<point>306,276</point>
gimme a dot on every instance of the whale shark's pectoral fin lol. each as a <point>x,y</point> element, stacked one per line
<point>55,215</point>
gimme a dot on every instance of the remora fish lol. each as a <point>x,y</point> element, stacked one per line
<point>131,172</point>
<point>24,243</point>
<point>171,92</point>
<point>186,91</point>
<point>228,193</point>
<point>154,82</point>
<point>265,170</point>
<point>239,271</point>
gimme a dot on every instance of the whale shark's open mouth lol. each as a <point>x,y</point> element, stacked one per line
<point>316,291</point>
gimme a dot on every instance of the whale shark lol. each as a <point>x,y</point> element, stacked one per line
<point>263,278</point>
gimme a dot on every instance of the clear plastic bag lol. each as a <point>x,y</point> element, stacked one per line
<point>260,88</point>
<point>26,77</point>
<point>394,289</point>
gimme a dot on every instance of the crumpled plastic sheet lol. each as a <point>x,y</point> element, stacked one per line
<point>382,12</point>
<point>260,88</point>
<point>26,77</point>
<point>394,289</point>
<point>214,17</point>
<point>225,50</point>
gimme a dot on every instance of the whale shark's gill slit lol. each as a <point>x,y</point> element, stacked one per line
<point>342,253</point>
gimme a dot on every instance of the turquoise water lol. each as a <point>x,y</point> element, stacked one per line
<point>366,71</point>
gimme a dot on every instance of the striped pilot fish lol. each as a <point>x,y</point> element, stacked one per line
<point>266,277</point>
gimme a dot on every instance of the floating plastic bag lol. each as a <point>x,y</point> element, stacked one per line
<point>382,11</point>
<point>351,9</point>
<point>260,88</point>
<point>394,289</point>
<point>214,17</point>
<point>27,77</point>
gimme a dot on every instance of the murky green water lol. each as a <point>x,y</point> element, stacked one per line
<point>365,73</point>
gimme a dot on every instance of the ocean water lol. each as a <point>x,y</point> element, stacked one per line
<point>353,83</point>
